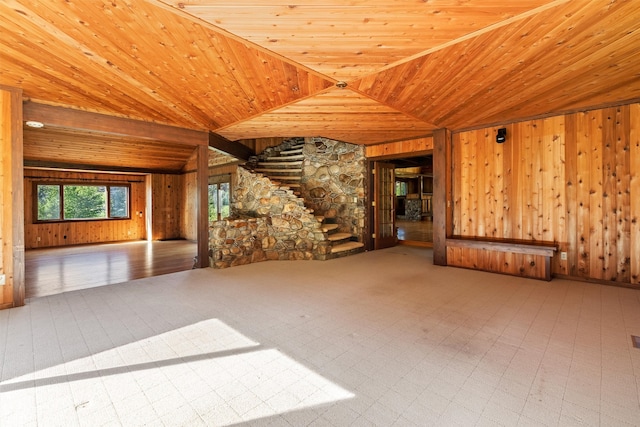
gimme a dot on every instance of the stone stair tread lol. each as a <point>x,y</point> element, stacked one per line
<point>268,170</point>
<point>320,218</point>
<point>291,152</point>
<point>346,247</point>
<point>269,163</point>
<point>287,158</point>
<point>339,236</point>
<point>329,227</point>
<point>288,178</point>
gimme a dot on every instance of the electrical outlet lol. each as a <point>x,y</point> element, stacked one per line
<point>38,238</point>
<point>2,279</point>
<point>563,256</point>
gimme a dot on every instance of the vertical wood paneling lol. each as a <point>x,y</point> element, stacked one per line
<point>516,197</point>
<point>570,266</point>
<point>609,194</point>
<point>634,192</point>
<point>189,217</point>
<point>583,173</point>
<point>415,146</point>
<point>12,293</point>
<point>623,202</point>
<point>596,218</point>
<point>571,179</point>
<point>167,201</point>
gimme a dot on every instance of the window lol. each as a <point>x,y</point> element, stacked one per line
<point>78,202</point>
<point>401,188</point>
<point>219,187</point>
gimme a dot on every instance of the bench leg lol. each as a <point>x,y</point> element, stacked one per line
<point>547,268</point>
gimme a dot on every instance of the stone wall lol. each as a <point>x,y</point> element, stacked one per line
<point>267,222</point>
<point>333,182</point>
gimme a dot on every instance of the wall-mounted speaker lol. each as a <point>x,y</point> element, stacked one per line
<point>501,136</point>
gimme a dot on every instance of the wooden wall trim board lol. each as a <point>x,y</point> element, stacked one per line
<point>572,179</point>
<point>76,119</point>
<point>12,294</point>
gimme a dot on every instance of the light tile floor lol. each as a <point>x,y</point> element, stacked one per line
<point>381,338</point>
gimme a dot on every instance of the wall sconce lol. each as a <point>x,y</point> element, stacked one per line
<point>501,136</point>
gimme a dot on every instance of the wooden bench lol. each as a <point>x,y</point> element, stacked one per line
<point>527,247</point>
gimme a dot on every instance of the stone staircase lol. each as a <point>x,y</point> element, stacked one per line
<point>283,166</point>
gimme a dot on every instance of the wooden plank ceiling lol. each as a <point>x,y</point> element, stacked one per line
<point>263,69</point>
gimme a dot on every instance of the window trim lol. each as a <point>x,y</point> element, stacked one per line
<point>61,185</point>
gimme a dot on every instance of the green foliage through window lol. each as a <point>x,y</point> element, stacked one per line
<point>57,202</point>
<point>218,201</point>
<point>48,200</point>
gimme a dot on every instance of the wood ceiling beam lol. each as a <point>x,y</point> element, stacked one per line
<point>63,117</point>
<point>39,164</point>
<point>234,149</point>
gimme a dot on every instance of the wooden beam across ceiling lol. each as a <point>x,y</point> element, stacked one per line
<point>234,149</point>
<point>82,120</point>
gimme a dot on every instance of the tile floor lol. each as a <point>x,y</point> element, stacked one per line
<point>381,338</point>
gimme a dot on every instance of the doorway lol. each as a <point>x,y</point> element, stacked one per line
<point>412,199</point>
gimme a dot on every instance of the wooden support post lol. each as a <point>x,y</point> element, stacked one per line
<point>442,218</point>
<point>202,210</point>
<point>12,292</point>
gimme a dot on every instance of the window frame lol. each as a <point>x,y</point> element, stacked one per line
<point>61,186</point>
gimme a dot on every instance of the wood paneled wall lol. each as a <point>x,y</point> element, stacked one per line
<point>415,146</point>
<point>189,217</point>
<point>571,179</point>
<point>167,206</point>
<point>42,235</point>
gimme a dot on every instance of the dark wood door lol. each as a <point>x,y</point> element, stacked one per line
<point>385,202</point>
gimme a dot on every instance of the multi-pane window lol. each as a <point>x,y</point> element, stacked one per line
<point>73,202</point>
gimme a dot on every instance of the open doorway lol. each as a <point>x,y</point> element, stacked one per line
<point>411,201</point>
<point>414,200</point>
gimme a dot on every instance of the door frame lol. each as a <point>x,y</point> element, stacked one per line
<point>370,196</point>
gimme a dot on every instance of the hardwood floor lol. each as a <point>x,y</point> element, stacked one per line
<point>55,270</point>
<point>417,233</point>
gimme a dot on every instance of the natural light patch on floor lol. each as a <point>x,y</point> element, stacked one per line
<point>202,372</point>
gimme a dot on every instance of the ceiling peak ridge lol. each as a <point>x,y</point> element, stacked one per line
<point>278,107</point>
<point>221,31</point>
<point>473,34</point>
